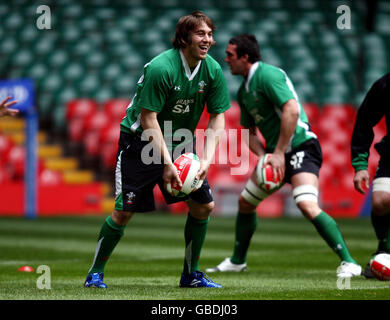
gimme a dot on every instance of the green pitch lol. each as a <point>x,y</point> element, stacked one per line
<point>287,260</point>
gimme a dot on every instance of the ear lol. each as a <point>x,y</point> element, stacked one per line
<point>245,57</point>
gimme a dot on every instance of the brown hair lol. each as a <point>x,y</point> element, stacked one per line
<point>188,24</point>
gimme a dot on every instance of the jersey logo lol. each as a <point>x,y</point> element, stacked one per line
<point>201,84</point>
<point>130,197</point>
<point>297,159</point>
<point>180,108</point>
<point>177,88</point>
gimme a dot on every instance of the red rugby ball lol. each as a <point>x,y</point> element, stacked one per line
<point>380,266</point>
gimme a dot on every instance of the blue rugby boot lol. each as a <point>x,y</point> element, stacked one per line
<point>197,279</point>
<point>95,280</point>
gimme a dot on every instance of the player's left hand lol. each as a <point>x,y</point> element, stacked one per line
<point>5,111</point>
<point>278,164</point>
<point>361,181</point>
<point>170,176</point>
<point>204,168</point>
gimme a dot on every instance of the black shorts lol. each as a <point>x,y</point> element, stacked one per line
<point>383,169</point>
<point>135,180</point>
<point>305,158</point>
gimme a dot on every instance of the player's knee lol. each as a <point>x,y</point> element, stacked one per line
<point>121,217</point>
<point>209,207</point>
<point>309,209</point>
<point>380,205</point>
<point>201,211</point>
<point>244,206</point>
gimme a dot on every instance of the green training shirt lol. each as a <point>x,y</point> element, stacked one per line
<point>261,97</point>
<point>178,95</point>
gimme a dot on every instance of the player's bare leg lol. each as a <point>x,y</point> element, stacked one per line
<point>245,227</point>
<point>305,192</point>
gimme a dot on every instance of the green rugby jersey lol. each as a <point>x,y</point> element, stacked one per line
<point>261,97</point>
<point>178,95</point>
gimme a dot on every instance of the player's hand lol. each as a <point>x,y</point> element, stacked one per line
<point>278,164</point>
<point>4,111</point>
<point>204,168</point>
<point>361,181</point>
<point>170,177</point>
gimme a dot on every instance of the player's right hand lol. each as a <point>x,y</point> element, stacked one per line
<point>4,107</point>
<point>170,176</point>
<point>361,181</point>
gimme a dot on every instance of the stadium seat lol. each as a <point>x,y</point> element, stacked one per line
<point>108,143</point>
<point>312,111</point>
<point>80,108</point>
<point>115,109</point>
<point>6,145</point>
<point>76,113</point>
<point>50,177</point>
<point>91,142</point>
<point>344,113</point>
<point>16,162</point>
<point>5,175</point>
<point>108,156</point>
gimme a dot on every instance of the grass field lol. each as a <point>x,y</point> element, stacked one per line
<point>287,260</point>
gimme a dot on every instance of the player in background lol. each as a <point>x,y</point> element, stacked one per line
<point>268,102</point>
<point>375,106</point>
<point>171,96</point>
<point>5,110</point>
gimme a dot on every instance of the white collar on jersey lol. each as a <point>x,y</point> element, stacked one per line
<point>251,72</point>
<point>187,69</point>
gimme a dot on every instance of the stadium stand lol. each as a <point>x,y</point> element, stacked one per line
<point>85,69</point>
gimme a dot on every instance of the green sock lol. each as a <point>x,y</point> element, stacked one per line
<point>109,236</point>
<point>246,224</point>
<point>330,232</point>
<point>381,226</point>
<point>194,235</point>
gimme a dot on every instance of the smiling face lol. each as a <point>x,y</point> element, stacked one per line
<point>238,66</point>
<point>201,41</point>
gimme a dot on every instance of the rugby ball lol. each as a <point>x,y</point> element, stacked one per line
<point>380,266</point>
<point>265,175</point>
<point>187,166</point>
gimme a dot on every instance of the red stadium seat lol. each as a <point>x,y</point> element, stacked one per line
<point>6,145</point>
<point>108,143</point>
<point>91,142</point>
<point>313,114</point>
<point>49,177</point>
<point>77,111</point>
<point>96,121</point>
<point>110,134</point>
<point>5,175</point>
<point>80,108</point>
<point>76,129</point>
<point>116,108</point>
<point>108,155</point>
<point>339,111</point>
<point>16,162</point>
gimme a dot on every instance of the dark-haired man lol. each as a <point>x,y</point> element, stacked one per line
<point>171,95</point>
<point>268,102</point>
